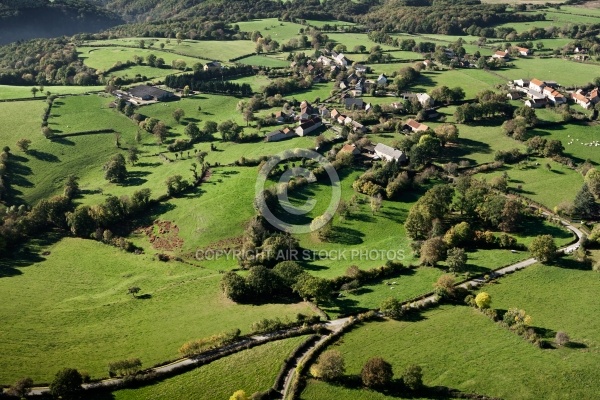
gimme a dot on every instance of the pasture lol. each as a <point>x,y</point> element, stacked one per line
<point>103,58</point>
<point>490,359</point>
<point>77,312</point>
<point>540,183</point>
<point>264,61</point>
<point>24,92</point>
<point>566,73</point>
<point>250,370</point>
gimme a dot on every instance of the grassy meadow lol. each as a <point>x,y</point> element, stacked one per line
<point>78,313</point>
<point>250,370</point>
<point>459,347</point>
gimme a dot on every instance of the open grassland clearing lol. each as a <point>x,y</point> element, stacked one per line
<point>351,40</point>
<point>264,61</point>
<point>565,72</point>
<point>78,313</point>
<point>255,81</point>
<point>490,359</point>
<point>250,370</point>
<point>201,50</point>
<point>549,187</point>
<point>578,139</point>
<point>41,171</point>
<point>103,58</point>
<point>278,30</point>
<point>472,81</point>
<point>24,92</point>
<point>476,144</point>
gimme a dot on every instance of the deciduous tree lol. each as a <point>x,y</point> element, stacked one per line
<point>543,248</point>
<point>377,373</point>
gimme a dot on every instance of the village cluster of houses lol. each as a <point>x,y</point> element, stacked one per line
<point>537,93</point>
<point>505,54</point>
<point>541,93</point>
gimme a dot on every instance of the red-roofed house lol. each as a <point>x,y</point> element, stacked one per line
<point>581,100</point>
<point>554,96</point>
<point>415,126</point>
<point>537,85</point>
<point>501,54</point>
<point>350,148</point>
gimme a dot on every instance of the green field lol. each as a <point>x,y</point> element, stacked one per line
<point>24,92</point>
<point>201,51</point>
<point>578,140</point>
<point>264,61</point>
<point>103,58</point>
<point>540,184</point>
<point>278,30</point>
<point>78,313</point>
<point>472,81</point>
<point>250,370</point>
<point>566,73</point>
<point>460,348</point>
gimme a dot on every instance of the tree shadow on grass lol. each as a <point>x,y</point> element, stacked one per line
<point>465,148</point>
<point>148,164</point>
<point>134,178</point>
<point>43,156</point>
<point>348,236</point>
<point>27,255</point>
<point>63,141</point>
<point>144,296</point>
<point>576,345</point>
<point>570,263</point>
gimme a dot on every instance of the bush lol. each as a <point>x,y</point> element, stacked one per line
<point>66,384</point>
<point>483,300</point>
<point>377,373</point>
<point>124,367</point>
<point>392,308</point>
<point>329,367</point>
<point>413,377</point>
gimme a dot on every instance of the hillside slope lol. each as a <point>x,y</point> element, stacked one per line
<point>27,19</point>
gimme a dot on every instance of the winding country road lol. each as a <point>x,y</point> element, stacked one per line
<point>334,326</point>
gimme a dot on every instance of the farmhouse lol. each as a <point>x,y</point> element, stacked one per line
<point>536,103</point>
<point>353,104</point>
<point>278,135</point>
<point>146,93</point>
<point>537,85</point>
<point>357,127</point>
<point>415,126</point>
<point>388,153</point>
<point>382,80</point>
<point>350,148</point>
<point>308,126</point>
<point>514,95</point>
<point>425,100</point>
<point>580,99</point>
<point>524,83</point>
<point>212,66</point>
<point>523,51</point>
<point>501,55</point>
<point>280,117</point>
<point>554,96</point>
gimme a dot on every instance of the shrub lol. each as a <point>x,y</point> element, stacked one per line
<point>66,384</point>
<point>392,308</point>
<point>413,377</point>
<point>124,367</point>
<point>377,373</point>
<point>330,366</point>
<point>483,300</point>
